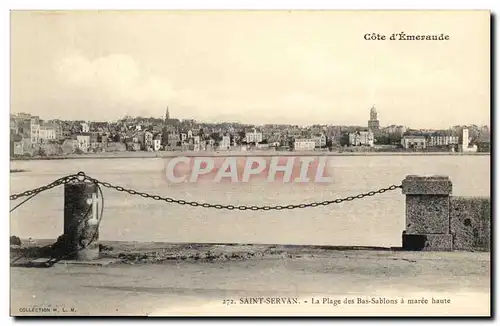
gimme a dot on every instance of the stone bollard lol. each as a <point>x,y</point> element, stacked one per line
<point>427,213</point>
<point>80,221</point>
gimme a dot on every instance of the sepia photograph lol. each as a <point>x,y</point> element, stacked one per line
<point>279,163</point>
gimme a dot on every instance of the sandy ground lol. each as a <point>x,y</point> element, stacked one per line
<point>205,280</point>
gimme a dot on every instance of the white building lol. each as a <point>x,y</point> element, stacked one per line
<point>196,143</point>
<point>156,144</point>
<point>148,139</point>
<point>320,141</point>
<point>466,142</point>
<point>465,138</point>
<point>442,140</point>
<point>83,142</point>
<point>361,138</point>
<point>413,141</point>
<point>35,131</point>
<point>225,143</point>
<point>47,133</point>
<point>253,137</point>
<point>304,144</point>
<point>85,127</point>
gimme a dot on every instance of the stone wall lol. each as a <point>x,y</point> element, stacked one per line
<point>437,221</point>
<point>470,223</point>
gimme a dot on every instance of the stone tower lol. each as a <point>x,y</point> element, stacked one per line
<point>373,123</point>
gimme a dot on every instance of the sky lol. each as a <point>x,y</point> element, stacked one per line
<point>296,67</point>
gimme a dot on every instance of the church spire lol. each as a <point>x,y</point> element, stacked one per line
<point>167,116</point>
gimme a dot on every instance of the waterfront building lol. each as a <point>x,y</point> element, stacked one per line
<point>225,143</point>
<point>17,148</point>
<point>34,126</point>
<point>46,133</point>
<point>83,142</point>
<point>303,144</point>
<point>361,138</point>
<point>253,137</point>
<point>102,139</point>
<point>17,145</point>
<point>148,140</point>
<point>14,127</point>
<point>414,142</point>
<point>320,140</point>
<point>196,143</point>
<point>58,130</point>
<point>173,139</point>
<point>94,141</point>
<point>439,140</point>
<point>156,144</point>
<point>465,138</point>
<point>465,143</point>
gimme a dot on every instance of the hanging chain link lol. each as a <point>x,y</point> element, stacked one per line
<point>81,176</point>
<point>58,182</point>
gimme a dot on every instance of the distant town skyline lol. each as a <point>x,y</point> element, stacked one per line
<point>252,67</point>
<point>248,123</point>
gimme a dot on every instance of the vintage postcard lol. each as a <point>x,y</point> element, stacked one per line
<point>250,163</point>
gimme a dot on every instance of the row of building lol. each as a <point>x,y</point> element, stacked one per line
<point>421,141</point>
<point>29,133</point>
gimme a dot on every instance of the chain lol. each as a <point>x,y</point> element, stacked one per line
<point>81,176</point>
<point>58,182</point>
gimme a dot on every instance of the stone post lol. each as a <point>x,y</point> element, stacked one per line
<point>427,213</point>
<point>80,221</point>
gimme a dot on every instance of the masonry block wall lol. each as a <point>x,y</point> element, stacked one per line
<point>470,223</point>
<point>439,222</point>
